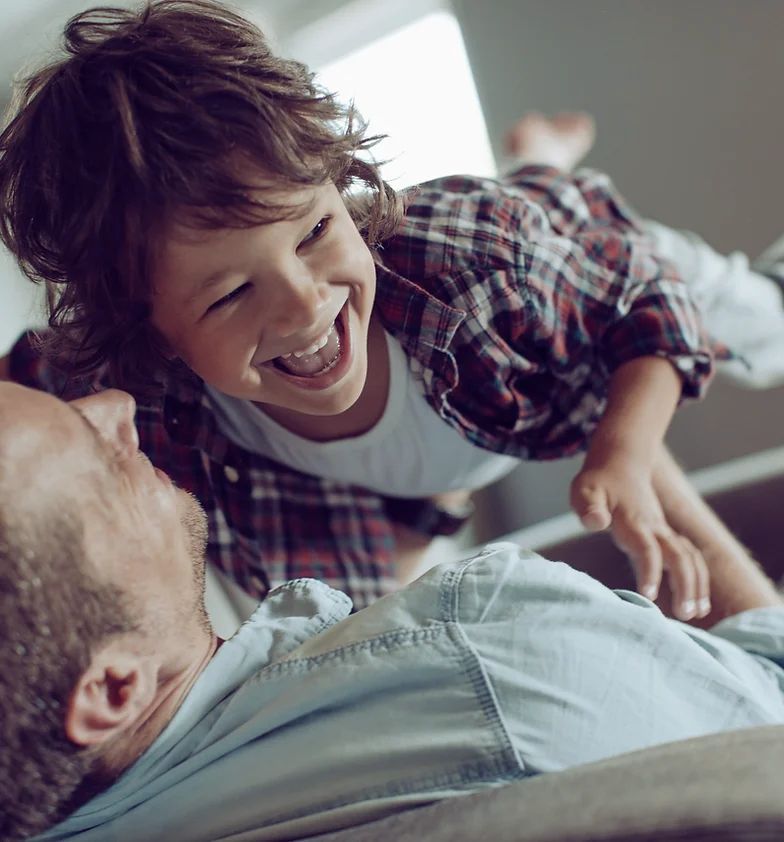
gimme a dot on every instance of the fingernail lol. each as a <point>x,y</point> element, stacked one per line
<point>650,591</point>
<point>687,609</point>
<point>704,606</point>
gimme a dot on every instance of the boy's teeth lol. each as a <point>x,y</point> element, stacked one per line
<point>311,349</point>
<point>321,356</point>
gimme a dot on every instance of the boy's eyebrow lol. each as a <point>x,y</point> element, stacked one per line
<point>216,277</point>
<point>207,283</point>
<point>210,281</point>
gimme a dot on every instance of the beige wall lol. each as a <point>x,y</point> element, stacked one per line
<point>687,98</point>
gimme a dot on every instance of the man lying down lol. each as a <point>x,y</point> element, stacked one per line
<point>124,717</point>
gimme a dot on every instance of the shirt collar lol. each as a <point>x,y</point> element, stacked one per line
<point>290,615</point>
<point>421,322</point>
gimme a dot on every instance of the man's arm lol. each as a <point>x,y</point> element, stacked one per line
<point>737,583</point>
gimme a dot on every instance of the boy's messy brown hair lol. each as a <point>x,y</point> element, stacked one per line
<point>153,113</point>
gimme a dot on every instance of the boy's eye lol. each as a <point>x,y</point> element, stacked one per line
<point>317,231</point>
<point>222,302</point>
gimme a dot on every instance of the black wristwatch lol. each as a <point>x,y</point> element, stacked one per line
<point>422,514</point>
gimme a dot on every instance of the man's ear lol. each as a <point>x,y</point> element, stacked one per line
<point>111,696</point>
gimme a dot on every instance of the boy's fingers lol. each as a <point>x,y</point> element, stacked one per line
<point>591,506</point>
<point>596,518</point>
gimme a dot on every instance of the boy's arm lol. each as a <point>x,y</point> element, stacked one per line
<point>642,397</point>
<point>615,486</point>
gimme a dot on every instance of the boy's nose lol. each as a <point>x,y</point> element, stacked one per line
<point>112,414</point>
<point>300,305</point>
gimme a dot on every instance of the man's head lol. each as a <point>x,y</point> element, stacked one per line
<point>101,601</point>
<point>154,120</point>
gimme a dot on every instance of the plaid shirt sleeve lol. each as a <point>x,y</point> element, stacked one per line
<point>597,281</point>
<point>557,284</point>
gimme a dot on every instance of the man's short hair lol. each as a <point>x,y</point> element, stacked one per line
<point>54,613</point>
<point>153,113</point>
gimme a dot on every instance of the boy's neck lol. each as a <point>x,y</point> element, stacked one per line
<point>364,414</point>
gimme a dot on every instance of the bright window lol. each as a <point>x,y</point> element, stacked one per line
<point>415,85</point>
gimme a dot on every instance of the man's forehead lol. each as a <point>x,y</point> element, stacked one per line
<point>23,420</point>
<point>18,402</point>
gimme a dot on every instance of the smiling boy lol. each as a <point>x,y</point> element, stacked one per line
<point>206,204</point>
<point>279,314</point>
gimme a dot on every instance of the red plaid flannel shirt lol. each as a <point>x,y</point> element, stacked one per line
<point>514,301</point>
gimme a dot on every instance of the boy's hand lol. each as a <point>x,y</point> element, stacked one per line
<point>620,496</point>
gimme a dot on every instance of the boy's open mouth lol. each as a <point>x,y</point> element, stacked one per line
<point>318,358</point>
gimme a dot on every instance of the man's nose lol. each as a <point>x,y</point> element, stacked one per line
<point>299,304</point>
<point>112,414</point>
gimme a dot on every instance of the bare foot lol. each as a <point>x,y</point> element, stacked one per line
<point>560,141</point>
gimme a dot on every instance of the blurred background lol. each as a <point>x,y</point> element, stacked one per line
<point>686,94</point>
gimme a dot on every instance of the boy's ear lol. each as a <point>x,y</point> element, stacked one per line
<point>110,696</point>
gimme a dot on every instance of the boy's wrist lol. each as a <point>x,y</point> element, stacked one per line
<point>609,447</point>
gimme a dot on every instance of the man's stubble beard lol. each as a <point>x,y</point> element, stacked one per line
<point>194,523</point>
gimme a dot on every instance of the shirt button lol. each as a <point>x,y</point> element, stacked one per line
<point>231,474</point>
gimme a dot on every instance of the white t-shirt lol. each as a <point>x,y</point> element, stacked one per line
<point>410,452</point>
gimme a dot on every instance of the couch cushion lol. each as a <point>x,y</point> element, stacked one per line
<point>721,787</point>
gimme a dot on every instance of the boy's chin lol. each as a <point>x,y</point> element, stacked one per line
<point>329,406</point>
<point>317,404</point>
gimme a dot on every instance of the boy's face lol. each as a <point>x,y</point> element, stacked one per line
<point>278,313</point>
